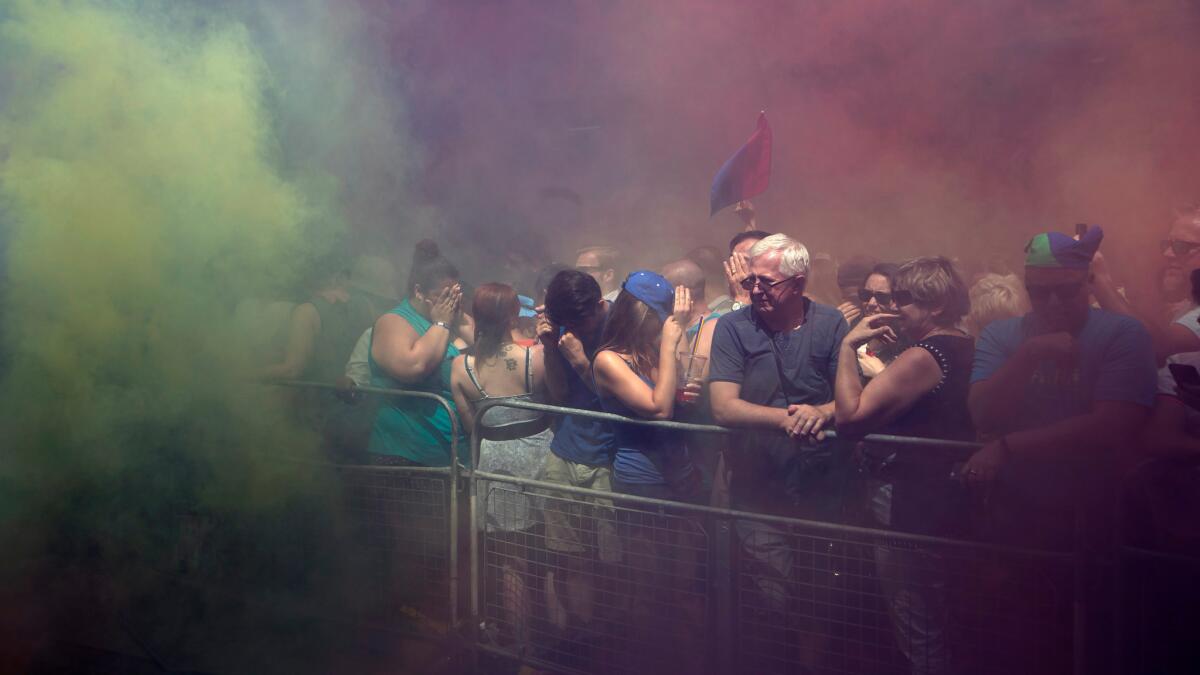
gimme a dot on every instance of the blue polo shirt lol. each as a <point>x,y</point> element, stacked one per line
<point>767,466</point>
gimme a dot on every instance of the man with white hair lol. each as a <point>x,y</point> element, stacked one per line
<point>772,371</point>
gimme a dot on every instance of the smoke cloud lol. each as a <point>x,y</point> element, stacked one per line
<point>161,161</point>
<point>900,130</point>
<point>157,167</point>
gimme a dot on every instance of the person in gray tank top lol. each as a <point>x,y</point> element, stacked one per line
<point>514,442</point>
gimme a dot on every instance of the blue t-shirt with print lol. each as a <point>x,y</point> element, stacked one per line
<point>1116,363</point>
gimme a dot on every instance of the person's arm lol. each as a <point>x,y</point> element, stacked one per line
<point>303,329</point>
<point>464,328</point>
<point>537,365</point>
<point>403,354</point>
<point>458,382</point>
<point>554,368</point>
<point>860,410</point>
<point>850,311</point>
<point>745,210</point>
<point>617,379</point>
<point>730,410</point>
<point>1168,337</point>
<point>1166,433</point>
<point>1097,437</point>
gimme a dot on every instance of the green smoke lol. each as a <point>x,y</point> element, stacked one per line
<point>142,195</point>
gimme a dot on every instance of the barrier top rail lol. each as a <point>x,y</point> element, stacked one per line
<point>838,528</point>
<point>398,393</point>
<point>716,429</point>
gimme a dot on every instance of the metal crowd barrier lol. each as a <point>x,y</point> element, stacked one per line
<point>646,585</point>
<point>1158,569</point>
<point>638,584</point>
<point>406,520</point>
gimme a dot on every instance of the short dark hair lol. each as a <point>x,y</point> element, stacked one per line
<point>886,270</point>
<point>571,296</point>
<point>748,234</point>
<point>544,277</point>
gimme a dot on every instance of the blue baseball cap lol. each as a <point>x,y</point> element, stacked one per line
<point>526,311</point>
<point>652,289</point>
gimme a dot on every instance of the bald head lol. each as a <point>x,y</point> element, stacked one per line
<point>685,273</point>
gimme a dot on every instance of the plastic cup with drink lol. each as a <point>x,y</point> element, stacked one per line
<point>691,377</point>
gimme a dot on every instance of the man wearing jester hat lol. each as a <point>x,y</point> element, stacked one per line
<point>1060,391</point>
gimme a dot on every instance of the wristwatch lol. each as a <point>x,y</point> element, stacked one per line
<point>443,324</point>
<point>736,306</point>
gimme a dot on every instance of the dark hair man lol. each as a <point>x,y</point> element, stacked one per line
<point>582,450</point>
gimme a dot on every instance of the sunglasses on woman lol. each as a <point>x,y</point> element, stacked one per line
<point>882,298</point>
<point>902,297</point>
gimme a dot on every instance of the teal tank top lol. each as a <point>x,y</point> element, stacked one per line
<point>416,429</point>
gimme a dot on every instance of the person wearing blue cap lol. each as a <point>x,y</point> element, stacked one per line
<point>635,376</point>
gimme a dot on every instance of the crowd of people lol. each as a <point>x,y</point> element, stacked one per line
<point>1067,384</point>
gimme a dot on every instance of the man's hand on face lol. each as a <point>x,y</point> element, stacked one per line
<point>806,422</point>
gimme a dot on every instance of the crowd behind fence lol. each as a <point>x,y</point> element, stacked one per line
<point>697,588</point>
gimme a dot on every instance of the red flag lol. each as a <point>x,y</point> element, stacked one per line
<point>747,173</point>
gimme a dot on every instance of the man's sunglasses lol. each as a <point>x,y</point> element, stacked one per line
<point>1061,291</point>
<point>1179,247</point>
<point>880,297</point>
<point>751,281</point>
